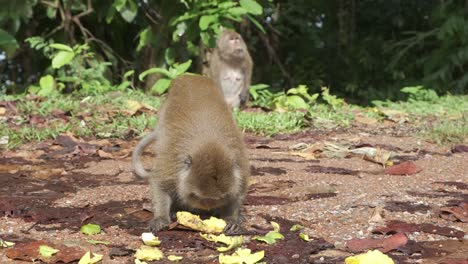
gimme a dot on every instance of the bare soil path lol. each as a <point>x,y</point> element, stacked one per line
<point>346,204</point>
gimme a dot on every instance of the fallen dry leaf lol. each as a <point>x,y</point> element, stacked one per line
<point>459,149</point>
<point>396,226</point>
<point>29,251</point>
<point>101,153</point>
<point>405,168</point>
<point>377,155</point>
<point>454,213</point>
<point>383,244</point>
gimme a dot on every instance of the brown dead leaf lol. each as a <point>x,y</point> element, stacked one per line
<point>101,153</point>
<point>405,168</point>
<point>396,226</point>
<point>459,149</point>
<point>37,120</point>
<point>61,114</point>
<point>383,244</point>
<point>454,213</point>
<point>29,251</point>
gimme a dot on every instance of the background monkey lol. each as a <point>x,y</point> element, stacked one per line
<point>201,161</point>
<point>230,65</point>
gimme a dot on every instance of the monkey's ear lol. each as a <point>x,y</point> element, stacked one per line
<point>188,161</point>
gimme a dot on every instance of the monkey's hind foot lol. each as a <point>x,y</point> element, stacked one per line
<point>157,224</point>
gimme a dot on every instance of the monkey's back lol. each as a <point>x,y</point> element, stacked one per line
<point>195,113</point>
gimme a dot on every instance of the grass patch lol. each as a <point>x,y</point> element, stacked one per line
<point>270,123</point>
<point>101,116</point>
<point>449,131</point>
<point>444,106</point>
<point>105,116</point>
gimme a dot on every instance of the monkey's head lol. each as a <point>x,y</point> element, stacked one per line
<point>231,45</point>
<point>209,175</point>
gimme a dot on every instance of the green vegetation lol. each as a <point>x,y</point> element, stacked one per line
<point>363,50</point>
<point>82,66</point>
<point>272,123</point>
<point>112,114</point>
<point>448,131</point>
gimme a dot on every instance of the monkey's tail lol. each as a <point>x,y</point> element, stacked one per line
<point>137,153</point>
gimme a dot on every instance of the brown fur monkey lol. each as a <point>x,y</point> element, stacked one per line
<point>201,162</point>
<point>230,65</point>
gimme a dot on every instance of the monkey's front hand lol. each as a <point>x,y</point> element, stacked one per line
<point>234,225</point>
<point>159,223</point>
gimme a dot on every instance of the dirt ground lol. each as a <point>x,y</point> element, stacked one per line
<point>346,204</point>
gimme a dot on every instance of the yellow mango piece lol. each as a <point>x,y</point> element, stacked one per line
<point>230,241</point>
<point>87,259</point>
<point>174,258</point>
<point>149,239</point>
<point>371,257</point>
<point>212,225</point>
<point>148,253</point>
<point>242,255</point>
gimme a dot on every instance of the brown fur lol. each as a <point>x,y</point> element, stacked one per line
<point>201,162</point>
<point>230,65</point>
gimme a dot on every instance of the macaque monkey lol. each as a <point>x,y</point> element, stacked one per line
<point>230,65</point>
<point>201,163</point>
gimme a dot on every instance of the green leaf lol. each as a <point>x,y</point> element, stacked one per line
<point>179,32</point>
<point>51,12</point>
<point>119,4</point>
<point>193,49</point>
<point>296,227</point>
<point>154,70</point>
<point>251,6</point>
<point>304,237</point>
<point>169,56</point>
<point>275,226</point>
<point>161,85</point>
<point>207,39</point>
<point>90,229</point>
<point>61,47</point>
<point>205,21</point>
<point>47,251</point>
<point>62,58</point>
<point>110,15</point>
<point>256,23</point>
<point>129,12</point>
<point>226,5</point>
<point>270,238</point>
<point>129,73</point>
<point>297,102</point>
<point>238,11</point>
<point>47,85</point>
<point>145,37</point>
<point>8,43</point>
<point>179,69</point>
